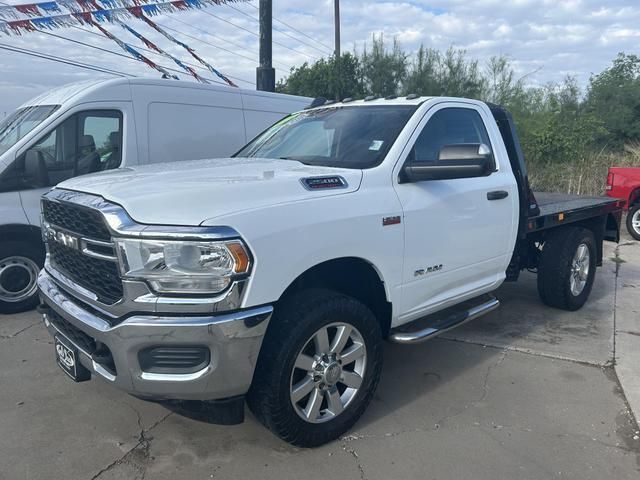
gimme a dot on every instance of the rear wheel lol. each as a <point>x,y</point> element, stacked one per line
<point>19,266</point>
<point>567,267</point>
<point>633,221</point>
<point>318,369</point>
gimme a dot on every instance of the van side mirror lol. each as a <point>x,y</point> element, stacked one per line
<point>35,169</point>
<point>464,160</point>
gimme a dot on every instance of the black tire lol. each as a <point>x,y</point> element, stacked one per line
<point>295,322</point>
<point>19,264</point>
<point>634,211</point>
<point>555,267</point>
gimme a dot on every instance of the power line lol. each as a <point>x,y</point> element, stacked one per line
<point>156,53</point>
<point>64,60</point>
<point>153,53</point>
<point>205,42</point>
<point>254,60</point>
<point>257,35</point>
<point>296,30</point>
<point>323,52</point>
<point>120,54</point>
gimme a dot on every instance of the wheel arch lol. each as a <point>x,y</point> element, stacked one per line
<point>19,232</point>
<point>353,276</point>
<point>605,227</point>
<point>634,197</point>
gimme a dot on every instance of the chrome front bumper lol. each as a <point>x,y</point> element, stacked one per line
<point>234,340</point>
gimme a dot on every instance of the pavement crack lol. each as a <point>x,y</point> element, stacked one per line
<point>485,383</point>
<point>351,451</point>
<point>137,456</point>
<point>526,351</point>
<point>14,335</point>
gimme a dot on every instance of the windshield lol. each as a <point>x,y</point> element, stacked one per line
<point>347,137</point>
<point>21,122</point>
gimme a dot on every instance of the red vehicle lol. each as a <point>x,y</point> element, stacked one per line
<point>624,183</point>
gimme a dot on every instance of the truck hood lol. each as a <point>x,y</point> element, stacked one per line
<point>191,192</point>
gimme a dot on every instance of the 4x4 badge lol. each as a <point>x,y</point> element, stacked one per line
<point>391,220</point>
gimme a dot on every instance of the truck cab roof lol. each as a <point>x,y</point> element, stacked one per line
<point>392,100</point>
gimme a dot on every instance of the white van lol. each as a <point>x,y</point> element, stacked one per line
<point>100,125</point>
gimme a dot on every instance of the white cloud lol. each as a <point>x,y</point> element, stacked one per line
<point>552,37</point>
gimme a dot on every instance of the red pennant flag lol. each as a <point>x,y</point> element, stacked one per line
<point>28,9</point>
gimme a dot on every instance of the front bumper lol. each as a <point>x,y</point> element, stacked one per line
<point>234,341</point>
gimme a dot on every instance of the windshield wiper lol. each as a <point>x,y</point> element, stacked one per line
<point>296,160</point>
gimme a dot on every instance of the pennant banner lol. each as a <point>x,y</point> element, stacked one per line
<point>157,49</point>
<point>95,12</point>
<point>132,51</point>
<point>41,9</point>
<point>138,12</point>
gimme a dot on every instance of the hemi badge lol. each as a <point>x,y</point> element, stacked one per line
<point>391,220</point>
<point>321,183</point>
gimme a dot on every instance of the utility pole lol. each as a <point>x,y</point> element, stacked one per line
<point>336,19</point>
<point>265,73</point>
<point>336,27</point>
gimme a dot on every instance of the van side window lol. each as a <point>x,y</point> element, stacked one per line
<point>86,142</point>
<point>449,126</point>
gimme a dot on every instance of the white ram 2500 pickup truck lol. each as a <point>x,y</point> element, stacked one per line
<point>274,276</point>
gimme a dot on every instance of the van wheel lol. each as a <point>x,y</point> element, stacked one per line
<point>633,221</point>
<point>19,266</point>
<point>567,268</point>
<point>318,368</point>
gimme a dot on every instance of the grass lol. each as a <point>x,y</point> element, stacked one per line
<point>585,175</point>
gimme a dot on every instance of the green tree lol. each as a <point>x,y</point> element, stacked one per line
<point>614,97</point>
<point>383,70</point>
<point>562,130</point>
<point>449,73</point>
<point>324,79</point>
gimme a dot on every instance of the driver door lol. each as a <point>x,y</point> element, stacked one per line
<point>458,240</point>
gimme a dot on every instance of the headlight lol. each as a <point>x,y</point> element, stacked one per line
<point>170,266</point>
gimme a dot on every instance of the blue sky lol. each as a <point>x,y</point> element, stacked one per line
<point>551,38</point>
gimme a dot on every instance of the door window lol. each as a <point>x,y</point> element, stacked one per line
<point>449,126</point>
<point>86,142</point>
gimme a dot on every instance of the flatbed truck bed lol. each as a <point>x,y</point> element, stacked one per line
<point>558,208</point>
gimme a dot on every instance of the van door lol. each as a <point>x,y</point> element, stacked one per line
<point>458,239</point>
<point>84,142</point>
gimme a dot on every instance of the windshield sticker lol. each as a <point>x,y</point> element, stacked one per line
<point>376,145</point>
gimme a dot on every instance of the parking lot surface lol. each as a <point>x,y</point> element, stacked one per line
<point>527,392</point>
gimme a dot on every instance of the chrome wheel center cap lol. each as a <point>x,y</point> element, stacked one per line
<point>332,373</point>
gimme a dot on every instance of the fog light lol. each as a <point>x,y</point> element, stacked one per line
<point>174,359</point>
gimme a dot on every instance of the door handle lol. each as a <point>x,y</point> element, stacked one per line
<point>497,195</point>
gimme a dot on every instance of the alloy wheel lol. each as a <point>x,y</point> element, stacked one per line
<point>579,270</point>
<point>328,372</point>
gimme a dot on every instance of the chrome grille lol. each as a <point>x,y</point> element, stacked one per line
<point>98,276</point>
<point>92,265</point>
<point>81,220</point>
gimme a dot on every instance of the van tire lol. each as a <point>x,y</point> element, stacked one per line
<point>20,263</point>
<point>557,265</point>
<point>633,216</point>
<point>292,332</point>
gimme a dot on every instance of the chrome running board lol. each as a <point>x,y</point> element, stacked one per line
<point>455,319</point>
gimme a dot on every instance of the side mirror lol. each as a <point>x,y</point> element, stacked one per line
<point>464,160</point>
<point>35,169</point>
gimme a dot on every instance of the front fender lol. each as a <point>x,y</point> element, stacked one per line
<point>287,240</point>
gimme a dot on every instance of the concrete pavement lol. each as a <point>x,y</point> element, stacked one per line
<point>627,321</point>
<point>527,392</point>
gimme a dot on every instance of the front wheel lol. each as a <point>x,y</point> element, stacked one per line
<point>318,369</point>
<point>20,263</point>
<point>633,221</point>
<point>567,267</point>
